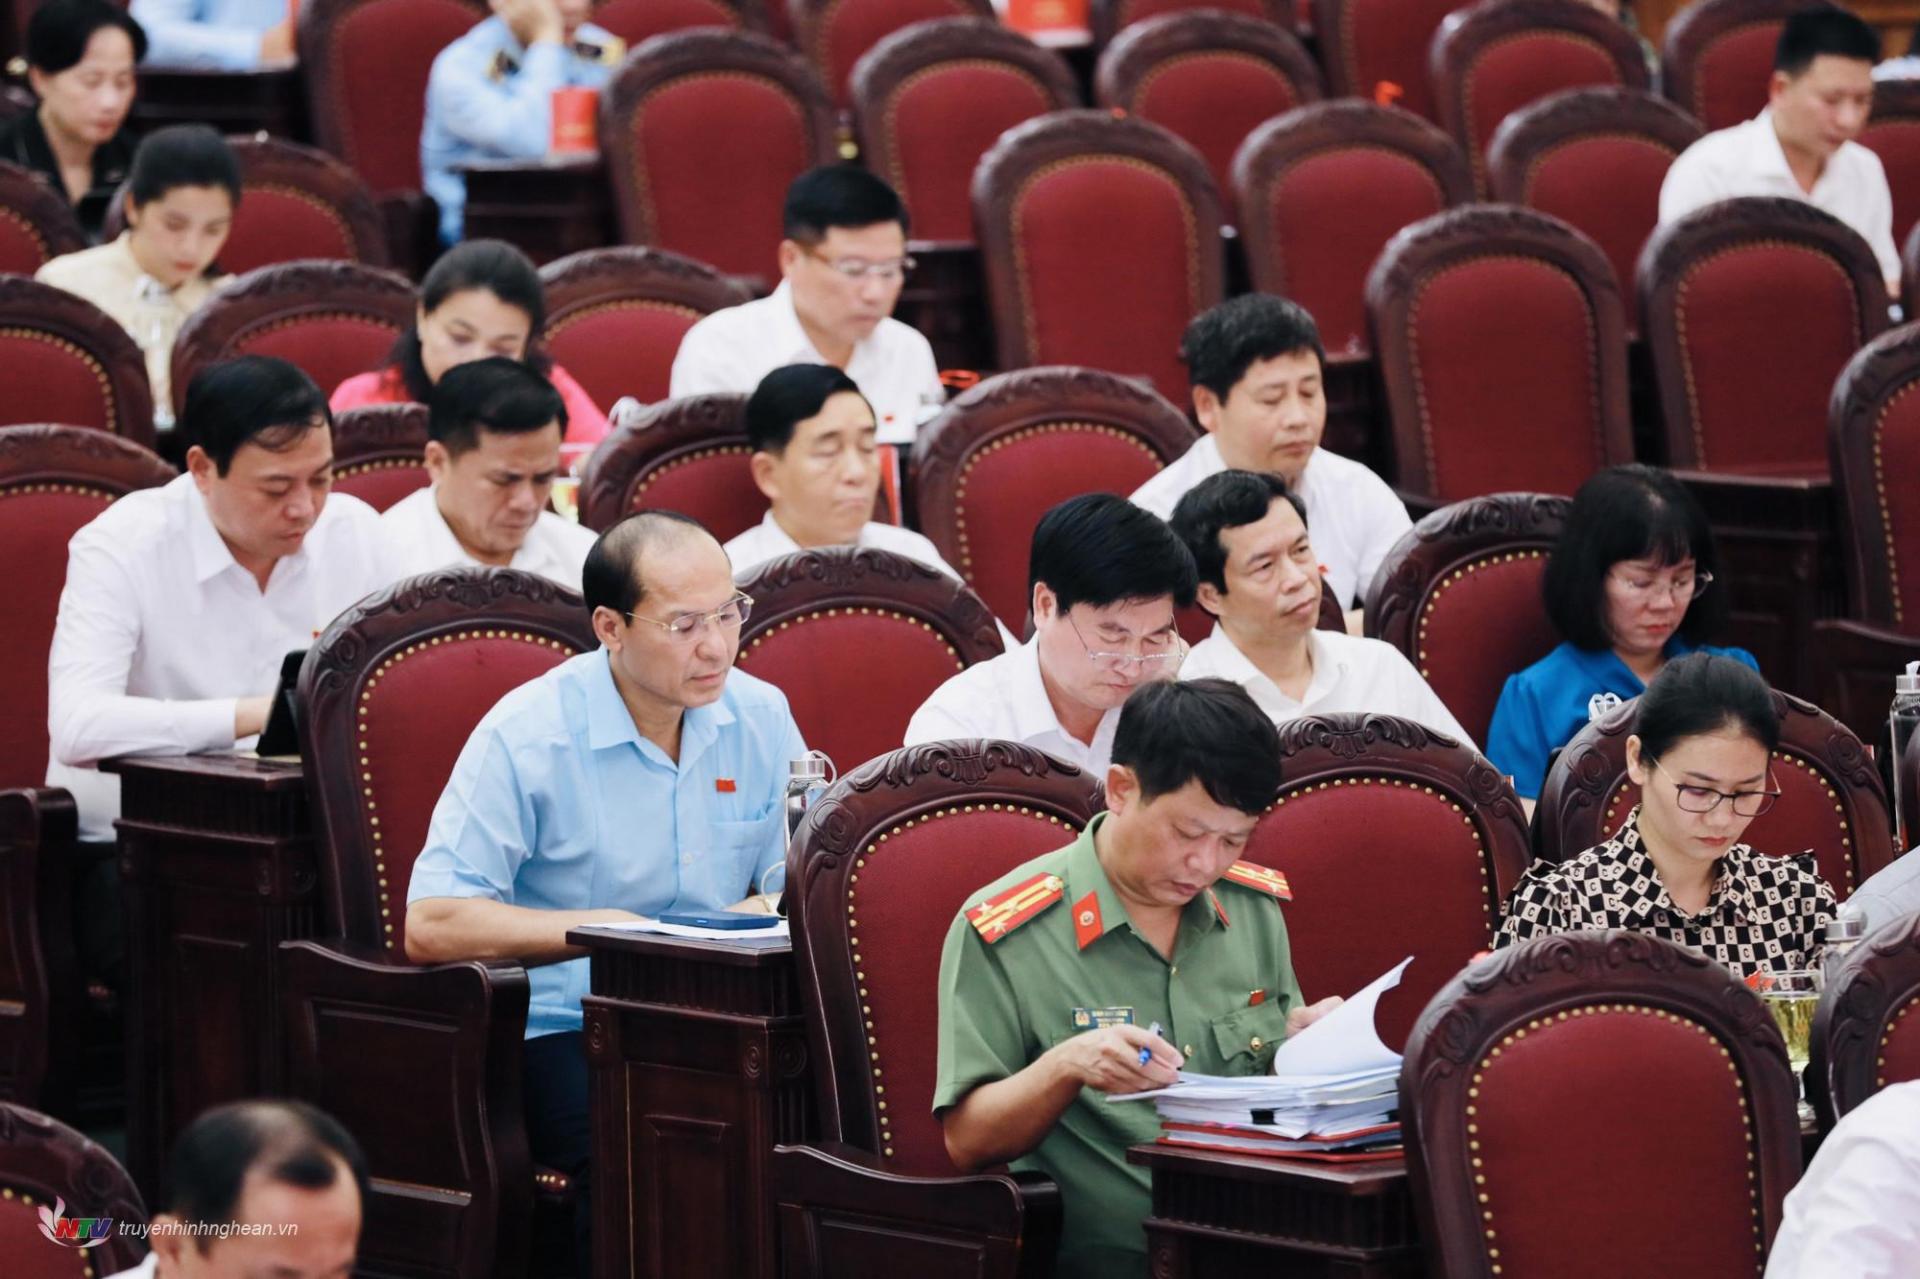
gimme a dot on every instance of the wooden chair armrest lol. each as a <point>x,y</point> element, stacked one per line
<point>42,993</point>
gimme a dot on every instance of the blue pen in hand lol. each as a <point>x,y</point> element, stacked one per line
<point>1146,1054</point>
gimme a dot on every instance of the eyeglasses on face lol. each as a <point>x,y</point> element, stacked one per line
<point>682,627</point>
<point>857,269</point>
<point>1156,651</point>
<point>1685,587</point>
<point>1704,799</point>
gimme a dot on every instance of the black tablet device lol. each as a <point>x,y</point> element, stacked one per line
<point>279,737</point>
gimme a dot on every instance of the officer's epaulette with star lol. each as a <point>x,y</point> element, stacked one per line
<point>1000,914</point>
<point>1271,882</point>
<point>606,55</point>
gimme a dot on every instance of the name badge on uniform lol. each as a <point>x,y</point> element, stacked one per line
<point>1101,1018</point>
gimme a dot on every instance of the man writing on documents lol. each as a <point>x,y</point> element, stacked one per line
<point>1054,980</point>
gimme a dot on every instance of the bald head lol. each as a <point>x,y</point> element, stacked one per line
<point>615,574</point>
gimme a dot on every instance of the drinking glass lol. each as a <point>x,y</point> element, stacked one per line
<point>566,482</point>
<point>1792,998</point>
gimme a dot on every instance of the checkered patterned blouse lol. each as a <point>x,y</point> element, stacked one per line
<point>1764,914</point>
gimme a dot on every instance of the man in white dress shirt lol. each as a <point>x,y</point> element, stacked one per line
<point>1856,1212</point>
<point>1258,372</point>
<point>1260,578</point>
<point>842,264</point>
<point>180,602</point>
<point>493,448</point>
<point>1803,146</point>
<point>1104,578</point>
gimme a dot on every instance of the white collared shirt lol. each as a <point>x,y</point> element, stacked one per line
<point>1353,517</point>
<point>732,350</point>
<point>161,631</point>
<point>1349,674</point>
<point>768,541</point>
<point>1747,159</point>
<point>423,541</point>
<point>145,1270</point>
<point>1856,1211</point>
<point>1006,699</point>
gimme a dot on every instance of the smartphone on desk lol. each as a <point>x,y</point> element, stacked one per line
<point>734,920</point>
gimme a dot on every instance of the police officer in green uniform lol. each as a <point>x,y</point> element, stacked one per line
<point>1052,983</point>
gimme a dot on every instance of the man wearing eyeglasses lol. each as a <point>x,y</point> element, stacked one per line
<point>843,262</point>
<point>642,777</point>
<point>1104,578</point>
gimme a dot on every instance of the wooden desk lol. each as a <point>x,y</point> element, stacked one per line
<point>549,208</point>
<point>217,856</point>
<point>697,1064</point>
<point>1216,1213</point>
<point>271,100</point>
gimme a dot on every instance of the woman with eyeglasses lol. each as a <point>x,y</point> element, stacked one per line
<point>1701,755</point>
<point>1630,587</point>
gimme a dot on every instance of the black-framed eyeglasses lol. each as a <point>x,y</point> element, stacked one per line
<point>684,626</point>
<point>1704,799</point>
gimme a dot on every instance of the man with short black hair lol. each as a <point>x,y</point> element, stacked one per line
<point>1167,954</point>
<point>259,1188</point>
<point>1259,388</point>
<point>180,602</point>
<point>842,264</point>
<point>1805,144</point>
<point>1103,580</point>
<point>1260,579</point>
<point>493,449</point>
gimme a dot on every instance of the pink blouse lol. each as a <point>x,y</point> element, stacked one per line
<point>586,424</point>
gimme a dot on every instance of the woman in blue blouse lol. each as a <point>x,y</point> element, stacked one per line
<point>1629,587</point>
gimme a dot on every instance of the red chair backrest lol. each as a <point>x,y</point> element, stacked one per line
<point>1738,390</point>
<point>366,64</point>
<point>1874,435</point>
<point>298,202</point>
<point>688,97</point>
<point>1496,286</point>
<point>1831,801</point>
<point>1444,582</point>
<point>1893,134</point>
<point>637,20</point>
<point>1380,818</point>
<point>1101,240</point>
<point>333,319</point>
<point>881,865</point>
<point>1655,1064</point>
<point>68,361</point>
<point>1501,55</point>
<point>687,455</point>
<point>391,691</point>
<point>1865,1035</point>
<point>1369,45</point>
<point>1716,59</point>
<point>615,316</point>
<point>1595,159</point>
<point>43,1165</point>
<point>835,34</point>
<point>858,639</point>
<point>36,224</point>
<point>1210,78</point>
<point>1319,191</point>
<point>930,99</point>
<point>1004,453</point>
<point>54,480</point>
<point>379,452</point>
<point>1110,18</point>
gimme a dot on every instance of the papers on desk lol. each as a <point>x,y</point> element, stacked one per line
<point>698,934</point>
<point>1334,1088</point>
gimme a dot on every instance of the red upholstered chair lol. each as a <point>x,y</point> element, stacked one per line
<point>1436,591</point>
<point>298,202</point>
<point>858,639</point>
<point>834,34</point>
<point>1598,1104</point>
<point>1595,159</point>
<point>1893,134</point>
<point>1496,287</point>
<point>68,361</point>
<point>333,319</point>
<point>378,452</point>
<point>689,97</point>
<point>36,224</point>
<point>45,1167</point>
<point>1717,57</point>
<point>881,865</point>
<point>615,316</point>
<point>1379,818</point>
<point>930,99</point>
<point>1109,18</point>
<point>1319,192</point>
<point>1101,239</point>
<point>687,455</point>
<point>1865,1035</point>
<point>1740,392</point>
<point>1377,49</point>
<point>1004,453</point>
<point>637,20</point>
<point>1501,55</point>
<point>421,1063</point>
<point>1874,434</point>
<point>1209,77</point>
<point>1831,801</point>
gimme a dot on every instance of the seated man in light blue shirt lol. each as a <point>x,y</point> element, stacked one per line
<point>216,35</point>
<point>642,777</point>
<point>490,94</point>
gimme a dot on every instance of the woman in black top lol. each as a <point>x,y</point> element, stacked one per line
<point>80,59</point>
